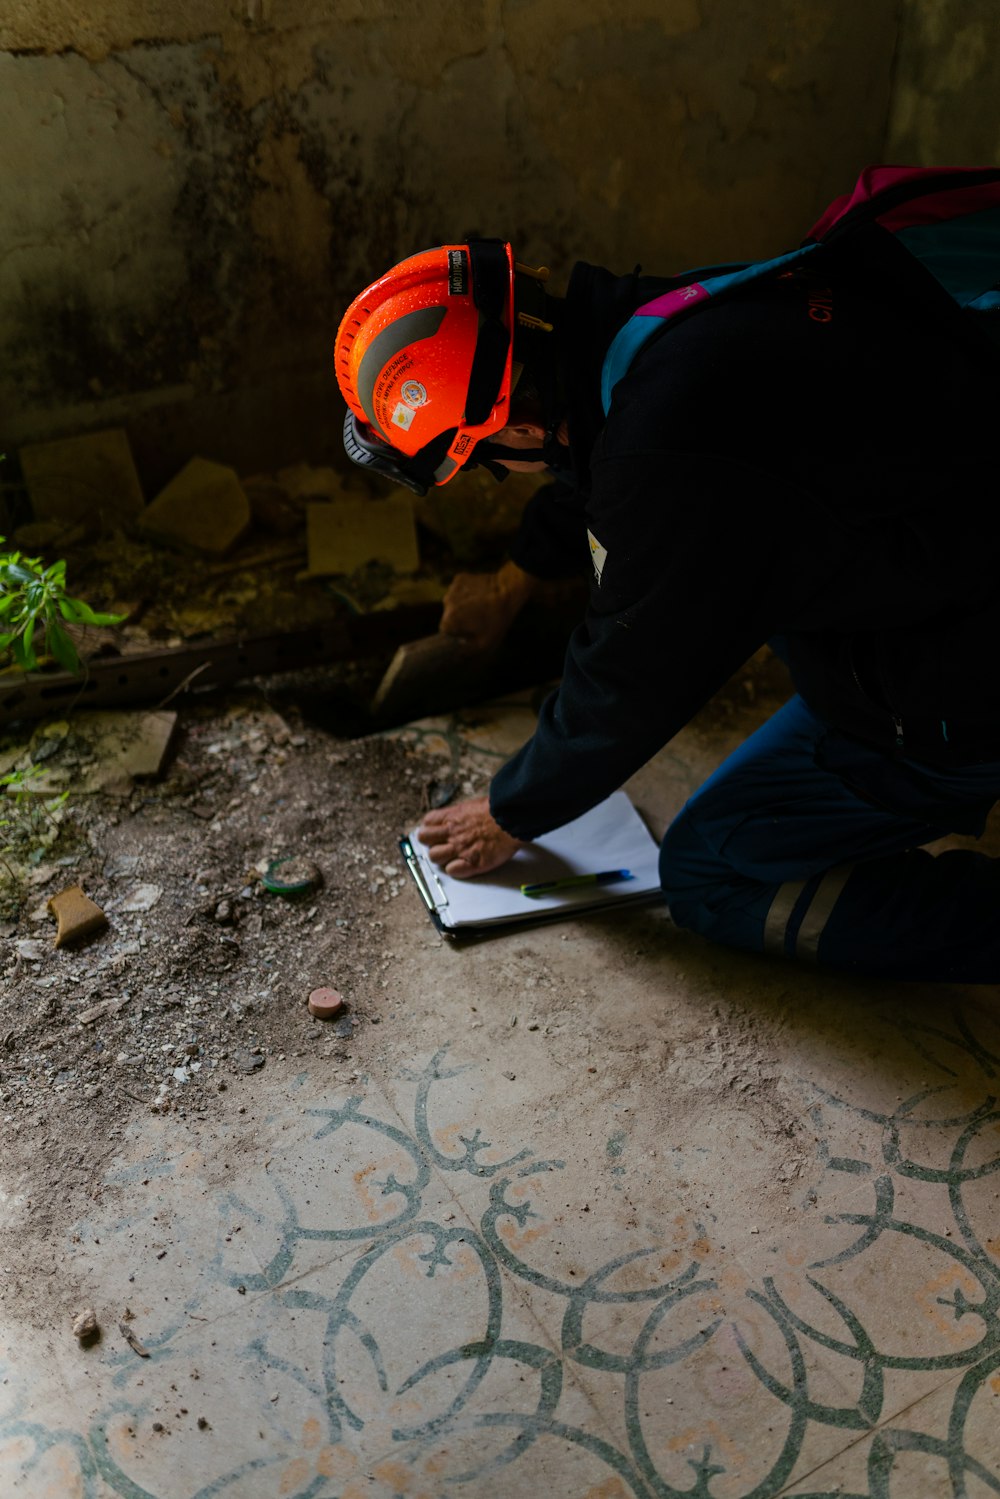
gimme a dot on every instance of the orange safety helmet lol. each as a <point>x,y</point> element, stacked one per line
<point>424,361</point>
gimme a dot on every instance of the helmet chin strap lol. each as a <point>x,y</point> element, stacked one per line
<point>551,452</point>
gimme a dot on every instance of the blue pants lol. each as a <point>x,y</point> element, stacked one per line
<point>806,842</point>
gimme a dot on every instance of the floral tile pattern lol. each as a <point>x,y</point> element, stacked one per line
<point>409,1309</point>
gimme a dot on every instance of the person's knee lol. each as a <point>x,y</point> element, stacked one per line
<point>706,891</point>
<point>689,870</point>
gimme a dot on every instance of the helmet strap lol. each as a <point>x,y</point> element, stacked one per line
<point>551,452</point>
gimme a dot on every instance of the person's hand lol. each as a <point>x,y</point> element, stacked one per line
<point>480,607</point>
<point>464,839</point>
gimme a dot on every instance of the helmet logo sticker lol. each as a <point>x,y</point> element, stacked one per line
<point>598,555</point>
<point>413,393</point>
<point>458,273</point>
<point>403,416</point>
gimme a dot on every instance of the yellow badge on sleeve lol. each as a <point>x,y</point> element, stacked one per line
<point>598,555</point>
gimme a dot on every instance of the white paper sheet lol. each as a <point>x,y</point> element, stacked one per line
<point>611,835</point>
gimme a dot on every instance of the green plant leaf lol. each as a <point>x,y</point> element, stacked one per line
<point>88,616</point>
<point>62,648</point>
<point>24,656</point>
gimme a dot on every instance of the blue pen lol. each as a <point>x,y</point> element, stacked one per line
<point>606,877</point>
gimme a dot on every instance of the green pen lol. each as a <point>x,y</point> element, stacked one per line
<point>572,881</point>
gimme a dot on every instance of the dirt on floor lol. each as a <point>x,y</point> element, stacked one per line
<point>203,974</point>
<point>201,979</point>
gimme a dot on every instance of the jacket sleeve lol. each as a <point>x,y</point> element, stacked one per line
<point>694,581</point>
<point>551,541</point>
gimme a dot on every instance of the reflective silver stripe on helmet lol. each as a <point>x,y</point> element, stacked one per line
<point>819,911</point>
<point>778,916</point>
<point>444,470</point>
<point>409,329</point>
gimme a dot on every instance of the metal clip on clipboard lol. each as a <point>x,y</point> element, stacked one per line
<point>417,870</point>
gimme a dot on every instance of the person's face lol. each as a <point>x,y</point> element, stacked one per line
<point>524,435</point>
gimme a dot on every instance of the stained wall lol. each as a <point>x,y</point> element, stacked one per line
<point>192,192</point>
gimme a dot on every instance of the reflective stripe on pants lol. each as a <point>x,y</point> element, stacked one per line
<point>782,851</point>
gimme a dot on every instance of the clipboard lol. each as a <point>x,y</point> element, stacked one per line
<point>611,835</point>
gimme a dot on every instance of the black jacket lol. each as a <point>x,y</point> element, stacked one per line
<point>808,460</point>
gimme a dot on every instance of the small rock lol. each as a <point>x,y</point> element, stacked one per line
<point>85,1326</point>
<point>31,951</point>
<point>510,1076</point>
<point>142,898</point>
<point>249,1061</point>
<point>440,793</point>
<point>326,1004</point>
<point>224,913</point>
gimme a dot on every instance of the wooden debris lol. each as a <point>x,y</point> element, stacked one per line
<point>106,1007</point>
<point>132,1340</point>
<point>425,676</point>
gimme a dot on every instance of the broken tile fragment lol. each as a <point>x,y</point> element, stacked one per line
<point>131,744</point>
<point>77,916</point>
<point>345,534</point>
<point>83,479</point>
<point>125,745</point>
<point>325,1003</point>
<point>203,509</point>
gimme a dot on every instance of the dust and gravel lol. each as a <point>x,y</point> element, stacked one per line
<point>203,974</point>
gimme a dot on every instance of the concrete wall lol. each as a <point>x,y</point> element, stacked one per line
<point>191,192</point>
<point>945,105</point>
